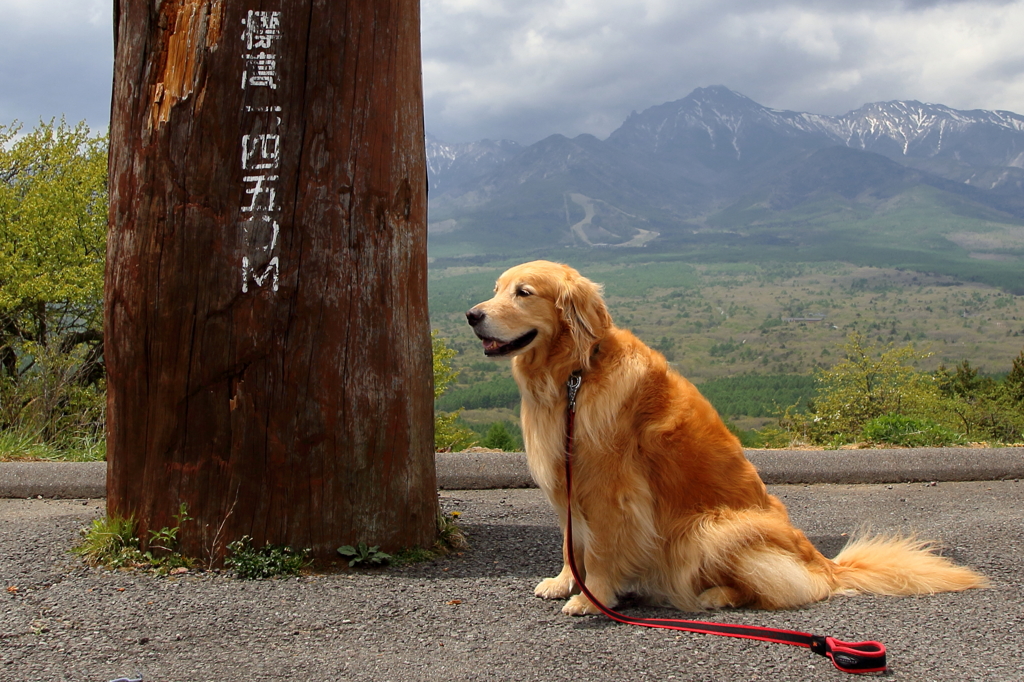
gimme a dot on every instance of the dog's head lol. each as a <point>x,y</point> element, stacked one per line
<point>542,305</point>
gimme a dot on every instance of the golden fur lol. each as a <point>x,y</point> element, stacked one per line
<point>665,503</point>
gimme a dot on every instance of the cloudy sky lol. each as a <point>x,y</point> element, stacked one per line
<point>524,69</point>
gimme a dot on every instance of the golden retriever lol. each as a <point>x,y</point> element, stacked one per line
<point>665,504</point>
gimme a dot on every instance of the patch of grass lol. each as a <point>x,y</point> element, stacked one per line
<point>412,555</point>
<point>17,445</point>
<point>897,429</point>
<point>85,449</point>
<point>112,542</point>
<point>250,563</point>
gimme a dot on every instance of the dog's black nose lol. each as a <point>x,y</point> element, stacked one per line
<point>475,317</point>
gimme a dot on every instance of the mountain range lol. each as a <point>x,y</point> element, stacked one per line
<point>716,170</point>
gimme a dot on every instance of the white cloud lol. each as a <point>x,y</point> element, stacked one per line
<point>570,66</point>
<point>524,69</point>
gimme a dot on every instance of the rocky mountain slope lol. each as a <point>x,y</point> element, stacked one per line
<point>716,166</point>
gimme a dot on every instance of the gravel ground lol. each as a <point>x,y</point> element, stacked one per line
<point>473,617</point>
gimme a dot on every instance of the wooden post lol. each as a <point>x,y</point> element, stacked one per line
<point>268,343</point>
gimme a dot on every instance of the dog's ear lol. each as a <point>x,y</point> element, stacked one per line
<point>584,314</point>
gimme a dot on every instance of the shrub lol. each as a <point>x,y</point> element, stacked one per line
<point>55,400</point>
<point>747,438</point>
<point>897,429</point>
<point>500,437</point>
<point>772,437</point>
<point>868,383</point>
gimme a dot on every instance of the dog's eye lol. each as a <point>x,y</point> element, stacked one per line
<point>523,292</point>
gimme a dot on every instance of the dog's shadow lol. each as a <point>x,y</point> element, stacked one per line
<point>532,551</point>
<point>829,545</point>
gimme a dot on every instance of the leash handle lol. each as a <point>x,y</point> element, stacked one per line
<point>849,657</point>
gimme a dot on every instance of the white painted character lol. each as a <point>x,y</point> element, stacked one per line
<point>261,152</point>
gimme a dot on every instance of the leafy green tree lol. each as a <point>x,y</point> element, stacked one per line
<point>868,383</point>
<point>449,435</point>
<point>980,407</point>
<point>500,437</point>
<point>1013,384</point>
<point>963,382</point>
<point>876,395</point>
<point>53,216</point>
<point>1009,401</point>
<point>444,375</point>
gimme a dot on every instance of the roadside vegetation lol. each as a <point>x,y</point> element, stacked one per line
<point>874,395</point>
<point>53,216</point>
<point>760,339</point>
<point>822,353</point>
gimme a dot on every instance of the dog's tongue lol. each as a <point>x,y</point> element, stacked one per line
<point>491,344</point>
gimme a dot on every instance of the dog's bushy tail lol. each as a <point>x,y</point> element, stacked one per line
<point>895,565</point>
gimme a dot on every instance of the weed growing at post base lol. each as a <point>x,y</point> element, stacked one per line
<point>271,561</point>
<point>113,543</point>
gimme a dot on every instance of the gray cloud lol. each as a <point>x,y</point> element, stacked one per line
<point>573,67</point>
<point>524,69</point>
<point>57,59</point>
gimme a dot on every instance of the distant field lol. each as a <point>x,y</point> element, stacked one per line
<point>734,397</point>
<point>922,230</point>
<point>715,321</point>
<point>753,395</point>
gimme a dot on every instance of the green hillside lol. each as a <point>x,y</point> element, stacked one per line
<point>758,395</point>
<point>728,326</point>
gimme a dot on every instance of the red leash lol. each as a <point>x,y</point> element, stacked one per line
<point>855,657</point>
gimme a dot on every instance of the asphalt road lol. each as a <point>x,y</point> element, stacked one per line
<point>474,617</point>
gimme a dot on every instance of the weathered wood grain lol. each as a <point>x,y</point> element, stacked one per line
<point>269,355</point>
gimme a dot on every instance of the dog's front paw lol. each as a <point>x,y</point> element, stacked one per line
<point>554,588</point>
<point>579,606</point>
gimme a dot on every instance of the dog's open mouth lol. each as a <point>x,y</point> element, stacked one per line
<point>495,348</point>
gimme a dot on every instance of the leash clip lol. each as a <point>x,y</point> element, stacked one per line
<point>573,385</point>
